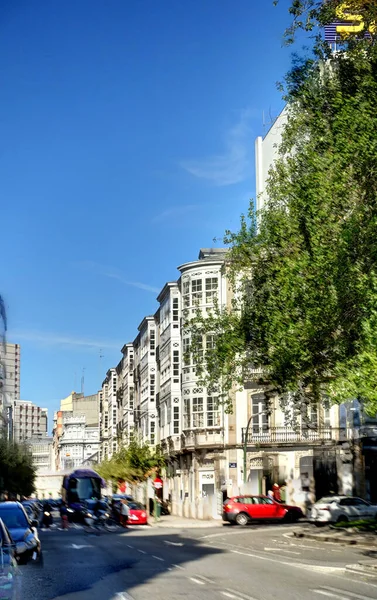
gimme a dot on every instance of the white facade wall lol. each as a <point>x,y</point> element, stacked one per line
<point>126,413</point>
<point>146,418</point>
<point>112,411</point>
<point>169,364</point>
<point>266,152</point>
<point>78,443</point>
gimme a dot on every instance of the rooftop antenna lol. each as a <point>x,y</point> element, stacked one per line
<point>82,380</point>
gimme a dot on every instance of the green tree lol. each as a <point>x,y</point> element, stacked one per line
<point>134,463</point>
<point>17,473</point>
<point>304,282</point>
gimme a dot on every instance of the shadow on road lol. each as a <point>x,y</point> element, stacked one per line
<point>80,566</point>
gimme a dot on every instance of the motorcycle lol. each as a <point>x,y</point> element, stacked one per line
<point>47,518</point>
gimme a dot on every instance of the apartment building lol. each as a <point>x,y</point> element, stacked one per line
<point>42,451</point>
<point>29,420</point>
<point>108,415</point>
<point>211,453</point>
<point>10,376</point>
<point>78,444</point>
<point>169,367</point>
<point>125,394</point>
<point>145,382</point>
<point>76,405</point>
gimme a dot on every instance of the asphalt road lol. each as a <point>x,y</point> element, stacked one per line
<point>257,563</point>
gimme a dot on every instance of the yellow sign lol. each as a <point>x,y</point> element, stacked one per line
<point>356,23</point>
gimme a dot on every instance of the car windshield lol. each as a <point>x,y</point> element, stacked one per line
<point>13,517</point>
<point>136,506</point>
<point>327,500</point>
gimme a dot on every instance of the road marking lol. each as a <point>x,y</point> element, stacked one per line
<point>158,558</point>
<point>197,581</point>
<point>235,596</point>
<point>281,550</point>
<point>79,547</point>
<point>179,567</point>
<point>128,546</point>
<point>320,569</point>
<point>352,594</point>
<point>173,543</point>
<point>245,531</point>
<point>141,551</point>
<point>124,596</point>
<point>330,594</point>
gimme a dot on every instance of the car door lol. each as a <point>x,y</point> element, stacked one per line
<point>363,508</point>
<point>247,506</point>
<point>269,508</point>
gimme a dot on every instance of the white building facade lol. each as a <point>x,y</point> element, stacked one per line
<point>145,382</point>
<point>78,444</point>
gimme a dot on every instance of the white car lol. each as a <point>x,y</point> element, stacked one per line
<point>336,509</point>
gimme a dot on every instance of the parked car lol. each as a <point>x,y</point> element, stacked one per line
<point>138,514</point>
<point>9,574</point>
<point>23,531</point>
<point>244,509</point>
<point>337,509</point>
<point>32,509</point>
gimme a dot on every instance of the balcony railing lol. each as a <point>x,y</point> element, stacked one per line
<point>275,435</point>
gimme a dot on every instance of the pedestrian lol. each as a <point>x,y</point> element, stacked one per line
<point>270,494</point>
<point>124,513</point>
<point>276,492</point>
<point>64,516</point>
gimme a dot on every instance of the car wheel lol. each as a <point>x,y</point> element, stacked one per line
<point>242,519</point>
<point>342,519</point>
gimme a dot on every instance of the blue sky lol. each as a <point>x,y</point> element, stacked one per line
<point>127,143</point>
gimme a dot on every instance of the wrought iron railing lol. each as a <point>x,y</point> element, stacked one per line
<point>265,435</point>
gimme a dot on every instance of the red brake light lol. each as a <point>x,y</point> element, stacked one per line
<point>327,508</point>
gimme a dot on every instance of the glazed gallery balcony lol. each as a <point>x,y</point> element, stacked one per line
<point>287,435</point>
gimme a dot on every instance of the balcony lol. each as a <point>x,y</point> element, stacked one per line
<point>202,438</point>
<point>287,435</point>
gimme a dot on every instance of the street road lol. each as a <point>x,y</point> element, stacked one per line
<point>257,563</point>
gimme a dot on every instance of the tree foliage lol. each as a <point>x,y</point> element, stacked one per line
<point>17,473</point>
<point>305,280</point>
<point>133,463</point>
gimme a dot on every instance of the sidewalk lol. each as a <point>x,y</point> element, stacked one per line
<point>343,536</point>
<point>172,521</point>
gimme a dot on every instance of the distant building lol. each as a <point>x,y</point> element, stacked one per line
<point>41,449</point>
<point>266,153</point>
<point>74,405</point>
<point>10,360</point>
<point>29,420</point>
<point>78,444</point>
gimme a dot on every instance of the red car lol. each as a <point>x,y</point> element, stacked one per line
<point>244,509</point>
<point>138,514</point>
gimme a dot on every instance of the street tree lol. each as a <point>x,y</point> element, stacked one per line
<point>305,279</point>
<point>17,473</point>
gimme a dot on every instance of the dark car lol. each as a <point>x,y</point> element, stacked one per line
<point>23,531</point>
<point>244,509</point>
<point>9,573</point>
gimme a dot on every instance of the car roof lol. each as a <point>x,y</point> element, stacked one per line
<point>10,504</point>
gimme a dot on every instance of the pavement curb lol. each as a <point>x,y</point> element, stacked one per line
<point>340,539</point>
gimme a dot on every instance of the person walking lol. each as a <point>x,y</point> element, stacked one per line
<point>276,492</point>
<point>64,516</point>
<point>124,513</point>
